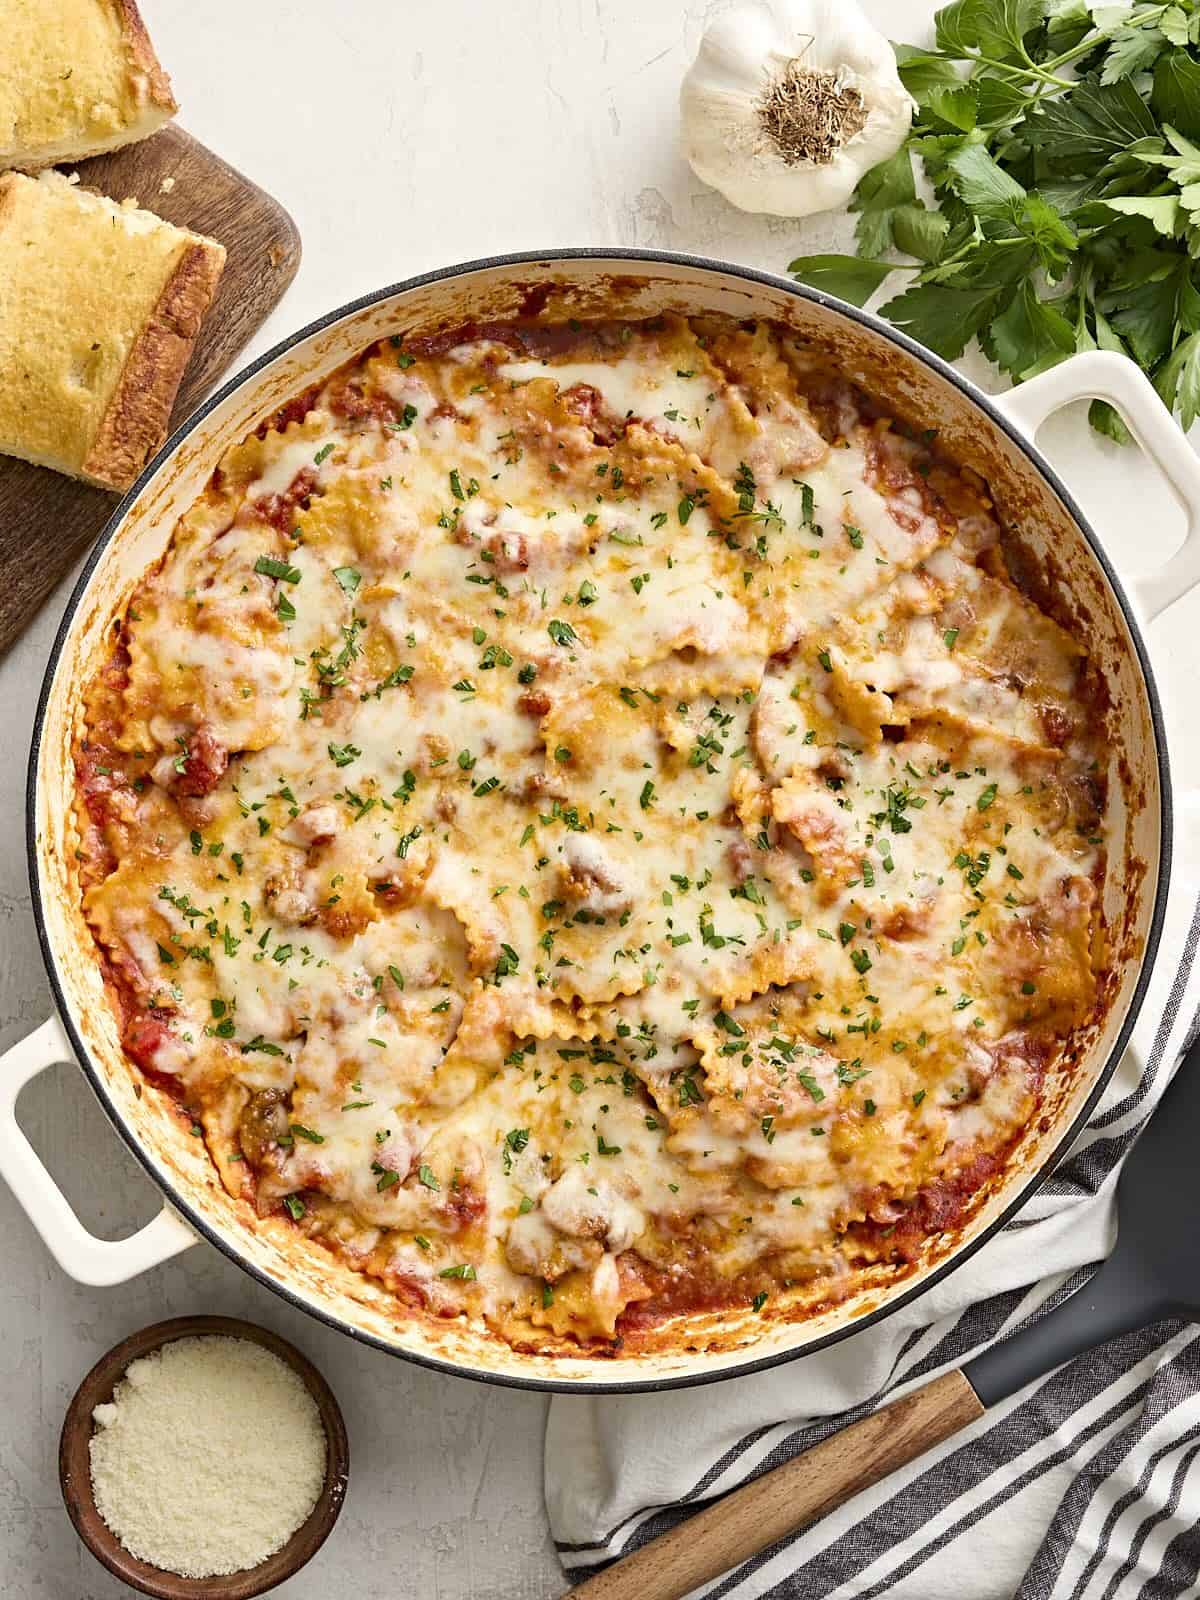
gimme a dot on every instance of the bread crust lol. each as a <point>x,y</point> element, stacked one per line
<point>135,421</point>
<point>8,195</point>
<point>141,50</point>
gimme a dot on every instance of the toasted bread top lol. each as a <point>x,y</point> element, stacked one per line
<point>80,76</point>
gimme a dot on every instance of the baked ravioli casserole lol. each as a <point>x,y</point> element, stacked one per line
<point>591,822</point>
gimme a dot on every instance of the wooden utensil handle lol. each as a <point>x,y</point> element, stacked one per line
<point>781,1501</point>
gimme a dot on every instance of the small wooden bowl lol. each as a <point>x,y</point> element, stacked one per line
<point>75,1471</point>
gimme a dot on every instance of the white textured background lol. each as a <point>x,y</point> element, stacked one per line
<point>402,135</point>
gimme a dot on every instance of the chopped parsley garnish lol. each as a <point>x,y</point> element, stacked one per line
<point>515,1140</point>
<point>269,567</point>
<point>263,1046</point>
<point>898,800</point>
<point>507,963</point>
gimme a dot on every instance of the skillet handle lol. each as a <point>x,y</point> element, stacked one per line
<point>1107,375</point>
<point>97,1262</point>
<point>780,1502</point>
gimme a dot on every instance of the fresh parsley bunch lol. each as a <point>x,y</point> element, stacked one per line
<point>1062,141</point>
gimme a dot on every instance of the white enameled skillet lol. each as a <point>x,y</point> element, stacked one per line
<point>996,437</point>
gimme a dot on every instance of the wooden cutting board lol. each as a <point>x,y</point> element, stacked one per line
<point>46,520</point>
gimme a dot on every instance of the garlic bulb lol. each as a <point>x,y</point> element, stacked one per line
<point>789,102</point>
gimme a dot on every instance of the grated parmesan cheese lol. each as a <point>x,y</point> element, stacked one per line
<point>209,1457</point>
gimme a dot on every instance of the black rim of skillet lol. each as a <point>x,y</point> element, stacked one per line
<point>616,256</point>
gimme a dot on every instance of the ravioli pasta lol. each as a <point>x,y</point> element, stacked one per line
<point>585,823</point>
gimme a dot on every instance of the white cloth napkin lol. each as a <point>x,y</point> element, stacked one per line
<point>1086,1484</point>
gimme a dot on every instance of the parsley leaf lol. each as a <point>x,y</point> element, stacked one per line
<point>1133,50</point>
<point>1179,380</point>
<point>1175,97</point>
<point>980,183</point>
<point>1029,335</point>
<point>943,318</point>
<point>995,28</point>
<point>848,277</point>
<point>1092,124</point>
<point>882,191</point>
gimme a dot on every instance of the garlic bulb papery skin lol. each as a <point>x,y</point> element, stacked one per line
<point>789,102</point>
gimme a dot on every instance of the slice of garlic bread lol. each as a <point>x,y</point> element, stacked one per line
<point>100,305</point>
<point>79,77</point>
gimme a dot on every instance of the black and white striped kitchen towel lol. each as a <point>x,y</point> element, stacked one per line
<point>1085,1485</point>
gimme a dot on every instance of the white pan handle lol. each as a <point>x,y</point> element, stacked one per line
<point>1106,375</point>
<point>79,1253</point>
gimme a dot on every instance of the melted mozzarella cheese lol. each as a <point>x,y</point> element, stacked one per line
<point>577,830</point>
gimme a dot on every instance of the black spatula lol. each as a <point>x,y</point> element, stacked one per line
<point>1151,1275</point>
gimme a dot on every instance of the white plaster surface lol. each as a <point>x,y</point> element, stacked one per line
<point>402,135</point>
